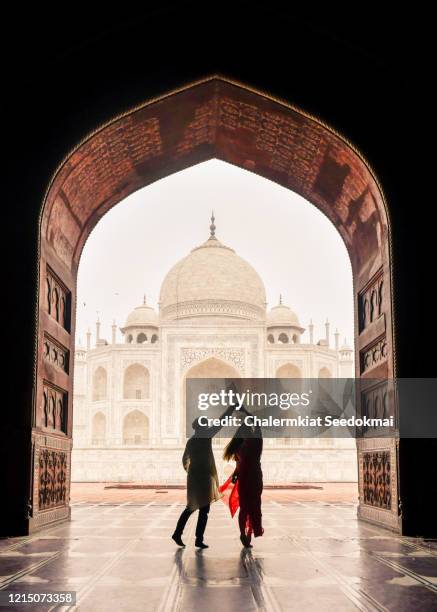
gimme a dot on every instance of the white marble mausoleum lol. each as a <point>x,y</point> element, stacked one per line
<point>212,321</point>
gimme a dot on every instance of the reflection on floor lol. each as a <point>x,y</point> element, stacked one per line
<point>313,556</point>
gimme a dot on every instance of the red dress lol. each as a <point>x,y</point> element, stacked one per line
<point>246,492</point>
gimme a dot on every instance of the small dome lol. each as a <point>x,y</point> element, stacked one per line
<point>212,280</point>
<point>142,316</point>
<point>282,316</point>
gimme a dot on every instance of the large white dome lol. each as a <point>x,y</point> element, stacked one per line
<point>212,281</point>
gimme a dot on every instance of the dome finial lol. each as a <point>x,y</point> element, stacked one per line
<point>280,299</point>
<point>144,300</point>
<point>212,226</point>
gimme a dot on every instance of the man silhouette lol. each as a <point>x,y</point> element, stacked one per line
<point>202,479</point>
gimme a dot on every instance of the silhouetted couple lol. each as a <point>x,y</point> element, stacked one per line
<point>245,483</point>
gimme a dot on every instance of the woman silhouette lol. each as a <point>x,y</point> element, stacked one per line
<point>245,449</point>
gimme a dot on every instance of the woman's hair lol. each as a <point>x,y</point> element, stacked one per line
<point>231,448</point>
<point>234,444</point>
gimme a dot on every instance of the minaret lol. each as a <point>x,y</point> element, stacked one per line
<point>97,332</point>
<point>88,340</point>
<point>114,332</point>
<point>327,332</point>
<point>336,336</point>
<point>311,330</point>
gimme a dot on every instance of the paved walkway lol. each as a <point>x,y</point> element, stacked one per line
<point>136,492</point>
<point>313,556</point>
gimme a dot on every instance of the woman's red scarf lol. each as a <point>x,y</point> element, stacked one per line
<point>232,497</point>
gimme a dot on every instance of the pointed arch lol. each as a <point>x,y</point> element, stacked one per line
<point>135,428</point>
<point>219,118</point>
<point>136,382</point>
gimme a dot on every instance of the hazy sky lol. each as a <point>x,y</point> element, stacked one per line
<point>291,244</point>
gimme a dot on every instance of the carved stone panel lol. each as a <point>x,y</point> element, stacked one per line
<point>373,355</point>
<point>377,479</point>
<point>54,408</point>
<point>211,307</point>
<point>200,130</point>
<point>292,143</point>
<point>58,300</point>
<point>236,356</point>
<point>370,301</point>
<point>376,402</point>
<point>53,478</point>
<point>56,354</point>
<point>107,161</point>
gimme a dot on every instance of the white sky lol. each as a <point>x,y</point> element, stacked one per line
<point>292,245</point>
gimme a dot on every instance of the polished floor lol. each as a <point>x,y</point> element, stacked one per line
<point>313,556</point>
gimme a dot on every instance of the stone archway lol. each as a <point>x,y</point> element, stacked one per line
<point>288,370</point>
<point>211,367</point>
<point>325,372</point>
<point>136,382</point>
<point>135,428</point>
<point>214,118</point>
